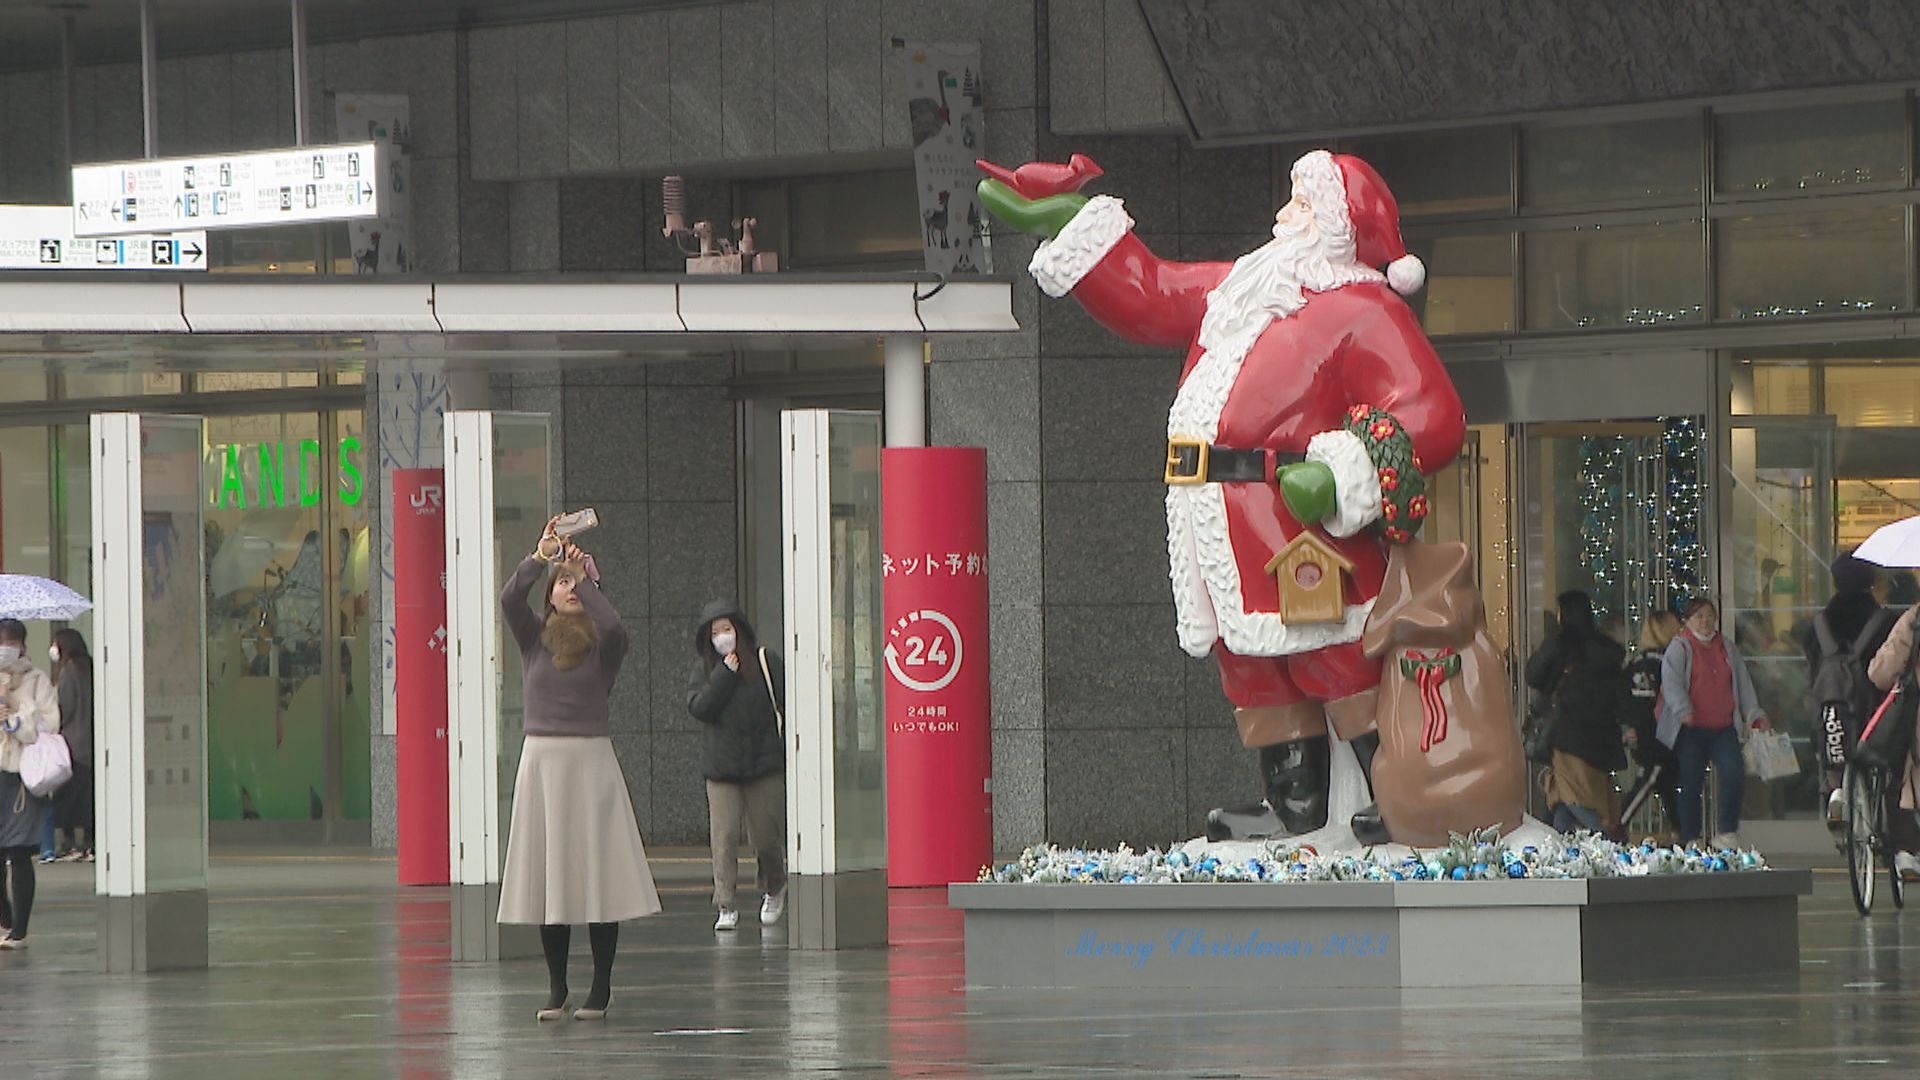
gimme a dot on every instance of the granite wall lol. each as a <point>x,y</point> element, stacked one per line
<point>1248,69</point>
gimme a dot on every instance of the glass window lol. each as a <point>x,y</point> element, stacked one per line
<point>1783,151</point>
<point>1615,275</point>
<point>277,250</point>
<point>856,220</point>
<point>222,382</point>
<point>1822,263</point>
<point>1597,163</point>
<point>26,531</point>
<point>1875,395</point>
<point>1469,286</point>
<point>1448,172</point>
<point>1776,389</point>
<point>87,384</point>
<point>22,380</point>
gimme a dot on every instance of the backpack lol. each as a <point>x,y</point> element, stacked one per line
<point>1840,685</point>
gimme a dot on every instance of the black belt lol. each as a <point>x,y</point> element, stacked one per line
<point>1190,461</point>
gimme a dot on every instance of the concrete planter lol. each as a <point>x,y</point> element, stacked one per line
<point>1382,934</point>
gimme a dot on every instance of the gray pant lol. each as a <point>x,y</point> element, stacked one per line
<point>762,802</point>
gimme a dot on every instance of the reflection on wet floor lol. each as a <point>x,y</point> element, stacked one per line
<point>323,968</point>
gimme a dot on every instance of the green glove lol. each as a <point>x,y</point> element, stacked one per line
<point>1041,217</point>
<point>1308,490</point>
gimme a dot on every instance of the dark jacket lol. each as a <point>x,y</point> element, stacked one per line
<point>1643,682</point>
<point>75,691</point>
<point>1848,615</point>
<point>743,734</point>
<point>1585,682</point>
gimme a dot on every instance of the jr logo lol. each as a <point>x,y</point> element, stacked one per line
<point>427,496</point>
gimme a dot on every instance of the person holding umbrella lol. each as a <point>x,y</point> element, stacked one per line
<point>1897,547</point>
<point>29,708</point>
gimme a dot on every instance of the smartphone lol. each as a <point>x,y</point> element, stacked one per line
<point>575,523</point>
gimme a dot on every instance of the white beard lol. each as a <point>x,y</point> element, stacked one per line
<point>1268,283</point>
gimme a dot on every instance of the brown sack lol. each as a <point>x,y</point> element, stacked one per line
<point>1444,684</point>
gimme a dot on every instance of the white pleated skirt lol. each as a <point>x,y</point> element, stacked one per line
<point>573,850</point>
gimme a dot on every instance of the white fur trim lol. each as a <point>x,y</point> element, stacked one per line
<point>1316,175</point>
<point>1356,480</point>
<point>1059,264</point>
<point>1209,604</point>
<point>1406,274</point>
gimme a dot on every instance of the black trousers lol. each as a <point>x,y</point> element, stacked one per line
<point>16,905</point>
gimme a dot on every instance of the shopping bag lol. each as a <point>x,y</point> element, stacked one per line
<point>1770,756</point>
<point>45,764</point>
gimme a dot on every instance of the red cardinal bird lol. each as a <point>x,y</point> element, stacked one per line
<point>1039,179</point>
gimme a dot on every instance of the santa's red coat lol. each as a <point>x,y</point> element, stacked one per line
<point>1356,344</point>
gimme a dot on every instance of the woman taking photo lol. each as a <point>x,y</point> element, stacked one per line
<point>73,684</point>
<point>1579,670</point>
<point>573,850</point>
<point>1707,707</point>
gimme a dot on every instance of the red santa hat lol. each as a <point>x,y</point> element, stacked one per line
<point>1374,218</point>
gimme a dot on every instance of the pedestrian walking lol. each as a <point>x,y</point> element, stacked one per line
<point>29,708</point>
<point>1581,673</point>
<point>737,690</point>
<point>1659,771</point>
<point>1707,709</point>
<point>574,853</point>
<point>73,685</point>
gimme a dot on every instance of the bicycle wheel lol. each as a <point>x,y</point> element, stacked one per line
<point>1863,804</point>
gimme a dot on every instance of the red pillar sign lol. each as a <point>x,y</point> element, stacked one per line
<point>938,694</point>
<point>420,674</point>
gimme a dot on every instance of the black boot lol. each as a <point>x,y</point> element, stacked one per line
<point>1368,826</point>
<point>1296,775</point>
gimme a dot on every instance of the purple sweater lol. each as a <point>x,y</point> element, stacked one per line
<point>572,702</point>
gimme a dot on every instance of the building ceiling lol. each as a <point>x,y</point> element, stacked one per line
<point>108,31</point>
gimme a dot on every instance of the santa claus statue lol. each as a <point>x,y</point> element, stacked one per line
<point>1310,405</point>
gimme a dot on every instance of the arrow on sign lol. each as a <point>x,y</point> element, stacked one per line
<point>191,251</point>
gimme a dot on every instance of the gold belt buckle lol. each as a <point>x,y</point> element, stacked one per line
<point>1174,446</point>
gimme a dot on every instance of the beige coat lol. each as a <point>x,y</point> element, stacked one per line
<point>1885,671</point>
<point>28,694</point>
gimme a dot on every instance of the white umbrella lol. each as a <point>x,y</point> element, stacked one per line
<point>1895,545</point>
<point>23,596</point>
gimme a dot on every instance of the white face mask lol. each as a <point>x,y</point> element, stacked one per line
<point>724,642</point>
<point>8,654</point>
<point>53,654</point>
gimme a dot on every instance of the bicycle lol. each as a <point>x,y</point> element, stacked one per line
<point>1865,783</point>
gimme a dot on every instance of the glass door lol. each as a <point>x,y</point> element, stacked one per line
<point>1780,544</point>
<point>860,798</point>
<point>522,503</point>
<point>1616,510</point>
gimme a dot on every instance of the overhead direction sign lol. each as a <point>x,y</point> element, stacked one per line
<point>227,191</point>
<point>42,238</point>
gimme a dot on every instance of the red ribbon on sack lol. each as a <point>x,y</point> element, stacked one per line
<point>1428,671</point>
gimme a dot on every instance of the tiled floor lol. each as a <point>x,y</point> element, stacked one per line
<point>321,969</point>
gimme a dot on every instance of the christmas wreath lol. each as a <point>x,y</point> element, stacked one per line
<point>1403,485</point>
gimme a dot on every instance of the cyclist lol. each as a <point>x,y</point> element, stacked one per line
<point>1903,824</point>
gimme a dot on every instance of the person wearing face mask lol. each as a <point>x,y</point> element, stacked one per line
<point>1707,709</point>
<point>29,708</point>
<point>73,683</point>
<point>574,853</point>
<point>736,691</point>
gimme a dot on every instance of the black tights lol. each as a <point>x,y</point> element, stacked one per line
<point>17,909</point>
<point>554,940</point>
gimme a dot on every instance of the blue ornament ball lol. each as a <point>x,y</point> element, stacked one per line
<point>1516,870</point>
<point>1459,873</point>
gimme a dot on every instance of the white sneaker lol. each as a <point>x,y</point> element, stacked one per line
<point>1727,840</point>
<point>1907,865</point>
<point>729,920</point>
<point>774,906</point>
<point>1837,809</point>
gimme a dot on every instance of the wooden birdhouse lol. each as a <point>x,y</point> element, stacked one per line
<point>1309,572</point>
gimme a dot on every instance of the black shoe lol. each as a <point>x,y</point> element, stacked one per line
<point>1367,825</point>
<point>1297,775</point>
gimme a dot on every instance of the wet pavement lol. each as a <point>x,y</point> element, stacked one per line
<point>322,968</point>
